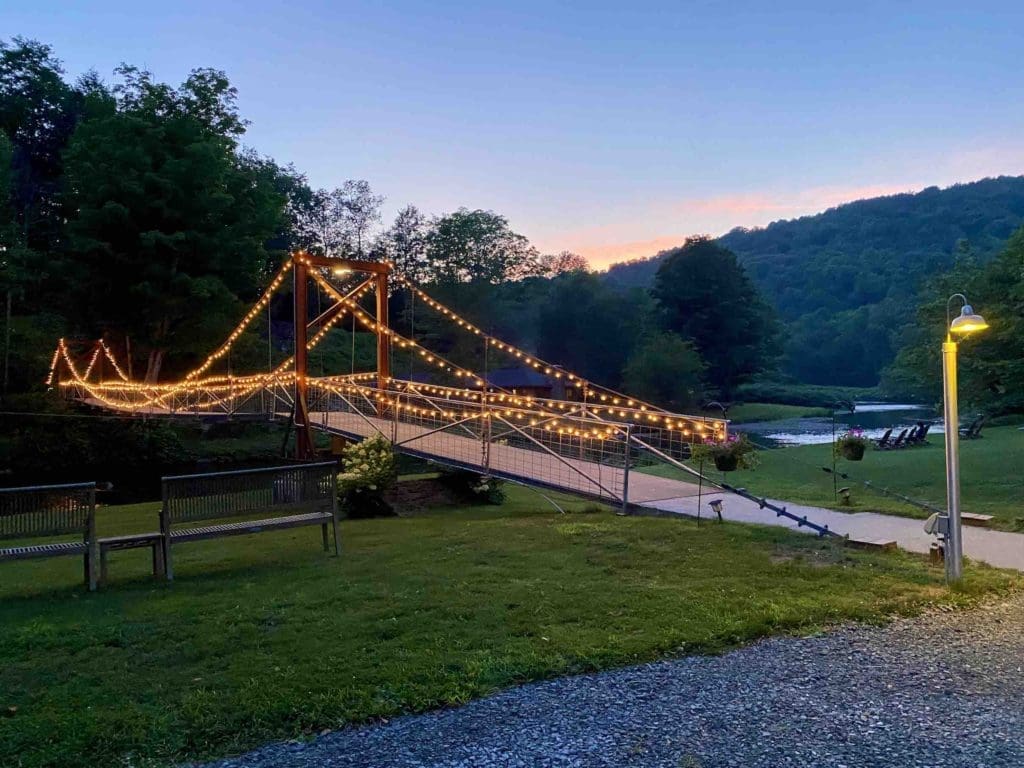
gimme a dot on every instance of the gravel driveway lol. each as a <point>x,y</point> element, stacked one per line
<point>861,696</point>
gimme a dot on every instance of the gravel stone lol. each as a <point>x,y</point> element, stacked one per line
<point>944,689</point>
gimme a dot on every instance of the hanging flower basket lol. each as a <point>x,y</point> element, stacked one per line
<point>726,462</point>
<point>735,452</point>
<point>852,445</point>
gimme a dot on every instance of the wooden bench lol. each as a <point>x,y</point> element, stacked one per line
<point>47,511</point>
<point>306,493</point>
<point>152,540</point>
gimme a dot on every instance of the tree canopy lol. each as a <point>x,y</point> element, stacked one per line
<point>666,369</point>
<point>170,222</point>
<point>992,362</point>
<point>706,296</point>
<point>466,246</point>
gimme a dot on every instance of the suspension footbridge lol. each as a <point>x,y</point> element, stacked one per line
<point>582,437</point>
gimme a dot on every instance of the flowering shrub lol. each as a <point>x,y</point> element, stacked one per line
<point>369,470</point>
<point>735,452</point>
<point>473,487</point>
<point>851,445</point>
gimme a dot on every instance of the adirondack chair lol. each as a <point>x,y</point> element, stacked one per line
<point>883,442</point>
<point>973,432</point>
<point>916,436</point>
<point>900,441</point>
<point>964,432</point>
<point>923,434</point>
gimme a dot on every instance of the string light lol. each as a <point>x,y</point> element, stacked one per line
<point>53,363</point>
<point>92,362</point>
<point>519,354</point>
<point>214,391</point>
<point>404,342</point>
<point>224,348</point>
<point>113,362</point>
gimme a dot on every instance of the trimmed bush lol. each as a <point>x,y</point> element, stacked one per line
<point>473,487</point>
<point>369,470</point>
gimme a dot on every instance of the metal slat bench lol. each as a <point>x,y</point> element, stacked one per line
<point>45,511</point>
<point>305,492</point>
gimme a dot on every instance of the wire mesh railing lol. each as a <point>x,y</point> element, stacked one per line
<point>566,451</point>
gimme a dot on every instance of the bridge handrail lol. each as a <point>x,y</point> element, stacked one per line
<point>556,408</point>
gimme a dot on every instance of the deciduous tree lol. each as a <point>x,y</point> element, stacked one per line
<point>467,246</point>
<point>405,243</point>
<point>168,238</point>
<point>591,329</point>
<point>706,296</point>
<point>38,112</point>
<point>666,370</point>
<point>554,264</point>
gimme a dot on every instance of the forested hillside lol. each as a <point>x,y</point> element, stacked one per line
<point>845,282</point>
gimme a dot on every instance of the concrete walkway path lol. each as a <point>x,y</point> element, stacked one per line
<point>998,548</point>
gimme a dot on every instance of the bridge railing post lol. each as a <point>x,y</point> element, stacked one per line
<point>396,406</point>
<point>625,470</point>
<point>485,433</point>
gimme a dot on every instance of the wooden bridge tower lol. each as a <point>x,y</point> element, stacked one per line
<point>302,262</point>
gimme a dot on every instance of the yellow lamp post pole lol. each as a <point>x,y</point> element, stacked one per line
<point>966,323</point>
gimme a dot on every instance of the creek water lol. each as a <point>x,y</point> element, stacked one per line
<point>873,418</point>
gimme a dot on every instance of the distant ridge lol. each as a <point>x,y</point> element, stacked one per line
<point>847,278</point>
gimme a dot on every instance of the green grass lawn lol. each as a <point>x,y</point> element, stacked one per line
<point>990,478</point>
<point>746,413</point>
<point>265,637</point>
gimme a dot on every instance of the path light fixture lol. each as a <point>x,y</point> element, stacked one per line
<point>700,468</point>
<point>716,507</point>
<point>967,322</point>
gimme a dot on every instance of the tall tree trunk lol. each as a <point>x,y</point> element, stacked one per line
<point>156,359</point>
<point>156,354</point>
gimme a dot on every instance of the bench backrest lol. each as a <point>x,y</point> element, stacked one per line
<point>47,510</point>
<point>248,492</point>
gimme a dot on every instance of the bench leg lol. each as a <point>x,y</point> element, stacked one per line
<point>323,531</point>
<point>103,565</point>
<point>91,566</point>
<point>337,545</point>
<point>168,567</point>
<point>158,559</point>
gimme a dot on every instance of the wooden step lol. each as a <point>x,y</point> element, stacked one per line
<point>979,521</point>
<point>883,545</point>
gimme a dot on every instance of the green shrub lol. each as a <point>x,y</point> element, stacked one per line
<point>369,470</point>
<point>473,487</point>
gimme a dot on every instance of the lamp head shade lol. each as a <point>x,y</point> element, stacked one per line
<point>967,322</point>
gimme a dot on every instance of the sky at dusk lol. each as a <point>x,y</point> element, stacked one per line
<point>613,130</point>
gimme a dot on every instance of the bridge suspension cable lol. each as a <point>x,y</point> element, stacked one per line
<point>157,395</point>
<point>263,301</point>
<point>526,358</point>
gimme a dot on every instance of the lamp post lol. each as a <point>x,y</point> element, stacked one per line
<point>966,323</point>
